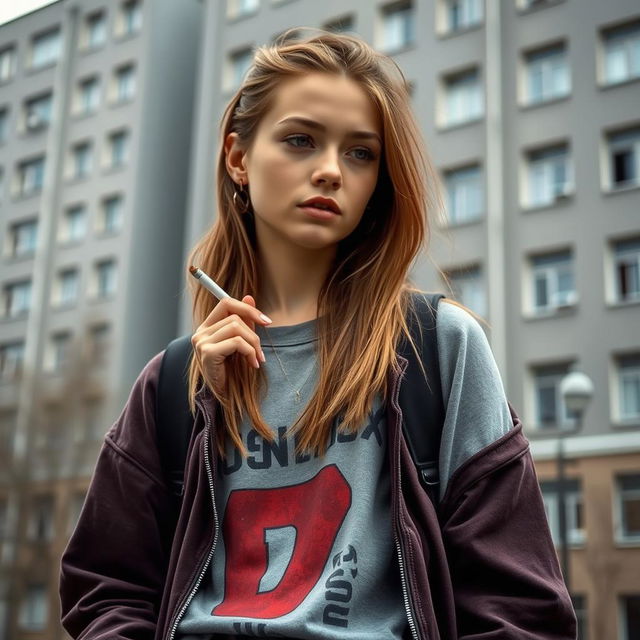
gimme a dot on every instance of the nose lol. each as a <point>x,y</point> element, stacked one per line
<point>328,169</point>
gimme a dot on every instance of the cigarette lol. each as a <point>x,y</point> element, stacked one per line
<point>208,283</point>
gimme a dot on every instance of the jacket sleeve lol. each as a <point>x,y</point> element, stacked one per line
<point>113,568</point>
<point>506,580</point>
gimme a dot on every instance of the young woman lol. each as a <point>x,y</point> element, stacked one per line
<point>303,515</point>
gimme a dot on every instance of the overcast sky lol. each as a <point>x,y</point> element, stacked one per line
<point>10,9</point>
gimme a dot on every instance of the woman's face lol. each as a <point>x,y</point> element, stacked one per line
<point>334,154</point>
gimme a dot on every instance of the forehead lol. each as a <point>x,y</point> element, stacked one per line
<point>331,99</point>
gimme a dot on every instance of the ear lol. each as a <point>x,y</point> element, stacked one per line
<point>235,159</point>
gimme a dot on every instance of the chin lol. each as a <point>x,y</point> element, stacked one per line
<point>318,238</point>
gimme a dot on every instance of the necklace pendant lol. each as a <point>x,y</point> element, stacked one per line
<point>297,397</point>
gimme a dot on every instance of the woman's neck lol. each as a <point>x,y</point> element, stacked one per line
<point>290,284</point>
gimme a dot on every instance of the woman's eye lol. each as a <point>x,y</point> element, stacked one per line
<point>368,155</point>
<point>297,137</point>
<point>365,154</point>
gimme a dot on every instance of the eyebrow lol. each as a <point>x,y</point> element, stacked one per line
<point>312,124</point>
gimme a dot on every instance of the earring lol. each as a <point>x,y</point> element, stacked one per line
<point>244,198</point>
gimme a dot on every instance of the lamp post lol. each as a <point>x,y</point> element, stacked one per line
<point>576,389</point>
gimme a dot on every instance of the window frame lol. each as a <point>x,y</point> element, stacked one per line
<point>404,10</point>
<point>53,34</point>
<point>458,178</point>
<point>462,98</point>
<point>552,267</point>
<point>625,35</point>
<point>553,372</point>
<point>621,537</point>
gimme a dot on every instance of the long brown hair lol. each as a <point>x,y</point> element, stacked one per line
<point>364,302</point>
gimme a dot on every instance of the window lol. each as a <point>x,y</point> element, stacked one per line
<point>125,83</point>
<point>553,282</point>
<point>30,176</point>
<point>627,270</point>
<point>465,197</point>
<point>238,64</point>
<point>4,124</point>
<point>88,96</point>
<point>96,30</point>
<point>621,53</point>
<point>11,361</point>
<point>628,505</point>
<point>8,422</point>
<point>628,368</point>
<point>118,149</point>
<point>398,27</point>
<point>340,25</point>
<point>37,112</point>
<point>630,617</point>
<point>547,75</point>
<point>462,14</point>
<point>99,344</point>
<point>81,160</point>
<point>549,176</point>
<point>93,422</point>
<point>75,223</point>
<point>130,18</point>
<point>45,48</point>
<point>23,238</point>
<point>34,609</point>
<point>237,8</point>
<point>58,352</point>
<point>111,219</point>
<point>550,411</point>
<point>624,158</point>
<point>580,607</point>
<point>468,288</point>
<point>67,287</point>
<point>574,508</point>
<point>105,273</point>
<point>463,98</point>
<point>40,527</point>
<point>7,63</point>
<point>17,298</point>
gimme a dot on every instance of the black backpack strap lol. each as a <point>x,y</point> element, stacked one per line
<point>422,404</point>
<point>174,422</point>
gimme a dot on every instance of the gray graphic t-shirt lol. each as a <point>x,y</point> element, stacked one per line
<point>305,547</point>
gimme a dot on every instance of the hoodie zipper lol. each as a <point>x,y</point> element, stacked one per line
<point>207,463</point>
<point>403,576</point>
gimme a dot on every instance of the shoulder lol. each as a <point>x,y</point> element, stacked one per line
<point>454,321</point>
<point>136,422</point>
<point>460,336</point>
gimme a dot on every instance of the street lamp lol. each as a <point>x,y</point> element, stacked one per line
<point>576,389</point>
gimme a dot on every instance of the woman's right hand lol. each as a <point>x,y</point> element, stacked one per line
<point>229,328</point>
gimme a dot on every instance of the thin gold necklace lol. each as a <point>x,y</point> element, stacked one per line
<point>297,391</point>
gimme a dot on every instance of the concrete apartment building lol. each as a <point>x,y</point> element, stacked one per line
<point>96,99</point>
<point>529,110</point>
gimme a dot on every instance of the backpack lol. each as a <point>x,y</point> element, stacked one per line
<point>422,403</point>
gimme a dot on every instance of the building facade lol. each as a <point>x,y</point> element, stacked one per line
<point>95,128</point>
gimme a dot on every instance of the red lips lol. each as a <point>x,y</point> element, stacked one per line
<point>327,203</point>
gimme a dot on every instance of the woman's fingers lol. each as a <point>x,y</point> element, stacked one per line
<point>228,329</point>
<point>245,308</point>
